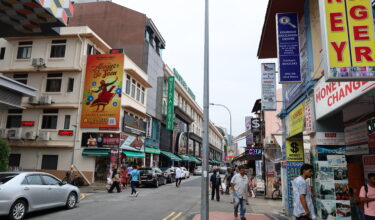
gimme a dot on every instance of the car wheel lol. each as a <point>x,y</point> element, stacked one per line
<point>71,202</point>
<point>18,210</point>
<point>156,184</point>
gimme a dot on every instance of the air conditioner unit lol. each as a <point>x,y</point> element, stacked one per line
<point>44,135</point>
<point>38,62</point>
<point>30,135</point>
<point>3,133</point>
<point>45,100</point>
<point>33,100</point>
<point>14,133</point>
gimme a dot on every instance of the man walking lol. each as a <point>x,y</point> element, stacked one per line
<point>178,176</point>
<point>135,180</point>
<point>215,185</point>
<point>303,205</point>
<point>367,196</point>
<point>240,187</point>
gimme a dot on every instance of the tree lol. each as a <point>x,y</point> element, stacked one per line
<point>4,155</point>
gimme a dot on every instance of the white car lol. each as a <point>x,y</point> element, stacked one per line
<point>185,173</point>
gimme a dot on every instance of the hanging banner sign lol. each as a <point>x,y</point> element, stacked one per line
<point>288,47</point>
<point>170,104</point>
<point>296,120</point>
<point>309,115</point>
<point>268,86</point>
<point>248,122</point>
<point>348,33</point>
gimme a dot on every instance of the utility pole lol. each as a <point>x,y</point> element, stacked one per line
<point>206,106</point>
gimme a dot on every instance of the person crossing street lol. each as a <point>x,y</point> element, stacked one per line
<point>135,180</point>
<point>240,187</point>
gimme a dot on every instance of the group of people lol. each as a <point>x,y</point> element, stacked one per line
<point>119,179</point>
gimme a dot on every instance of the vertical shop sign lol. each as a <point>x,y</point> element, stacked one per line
<point>170,104</point>
<point>101,102</point>
<point>348,32</point>
<point>296,120</point>
<point>309,115</point>
<point>268,86</point>
<point>248,122</point>
<point>288,47</point>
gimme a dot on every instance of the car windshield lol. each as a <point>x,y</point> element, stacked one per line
<point>6,177</point>
<point>166,169</point>
<point>146,171</point>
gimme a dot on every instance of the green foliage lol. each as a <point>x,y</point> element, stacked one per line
<point>4,155</point>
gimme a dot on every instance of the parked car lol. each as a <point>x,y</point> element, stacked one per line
<point>185,173</point>
<point>152,176</point>
<point>25,192</point>
<point>198,171</point>
<point>169,174</point>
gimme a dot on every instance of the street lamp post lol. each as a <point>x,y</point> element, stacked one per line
<point>230,120</point>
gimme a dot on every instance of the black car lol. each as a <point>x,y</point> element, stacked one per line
<point>169,174</point>
<point>152,176</point>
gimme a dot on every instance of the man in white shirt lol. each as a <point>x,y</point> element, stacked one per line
<point>178,175</point>
<point>240,188</point>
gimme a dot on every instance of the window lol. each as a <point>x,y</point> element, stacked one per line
<point>138,92</point>
<point>21,77</point>
<point>49,119</point>
<point>67,122</point>
<point>90,49</point>
<point>54,82</point>
<point>14,160</point>
<point>24,49</point>
<point>143,95</point>
<point>49,180</point>
<point>49,162</point>
<point>128,85</point>
<point>14,118</point>
<point>70,85</point>
<point>2,53</point>
<point>133,89</point>
<point>34,180</point>
<point>58,48</point>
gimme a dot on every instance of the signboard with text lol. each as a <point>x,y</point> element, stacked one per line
<point>170,103</point>
<point>294,149</point>
<point>288,47</point>
<point>296,120</point>
<point>348,36</point>
<point>268,86</point>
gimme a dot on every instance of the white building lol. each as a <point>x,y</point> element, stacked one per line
<point>42,134</point>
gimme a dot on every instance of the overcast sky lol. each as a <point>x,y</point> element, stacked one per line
<point>235,29</point>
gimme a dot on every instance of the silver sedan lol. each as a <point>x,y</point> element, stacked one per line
<point>23,192</point>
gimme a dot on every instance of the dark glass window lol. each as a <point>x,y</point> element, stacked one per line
<point>14,160</point>
<point>70,85</point>
<point>2,53</point>
<point>49,122</point>
<point>54,82</point>
<point>128,85</point>
<point>67,122</point>
<point>58,48</point>
<point>49,162</point>
<point>24,49</point>
<point>14,121</point>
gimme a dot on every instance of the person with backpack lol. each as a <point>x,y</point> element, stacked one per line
<point>215,185</point>
<point>367,196</point>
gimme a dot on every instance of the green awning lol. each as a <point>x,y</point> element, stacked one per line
<point>133,154</point>
<point>95,152</point>
<point>193,159</point>
<point>170,155</point>
<point>152,150</point>
<point>184,157</point>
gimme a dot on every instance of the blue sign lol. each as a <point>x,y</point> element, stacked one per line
<point>288,47</point>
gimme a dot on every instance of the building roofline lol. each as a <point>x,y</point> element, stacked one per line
<point>152,25</point>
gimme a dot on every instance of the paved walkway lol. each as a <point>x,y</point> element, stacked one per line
<point>230,216</point>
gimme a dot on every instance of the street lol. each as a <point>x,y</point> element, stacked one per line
<point>164,203</point>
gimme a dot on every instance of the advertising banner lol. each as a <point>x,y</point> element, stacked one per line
<point>248,122</point>
<point>288,47</point>
<point>170,103</point>
<point>334,95</point>
<point>348,36</point>
<point>309,115</point>
<point>268,86</point>
<point>330,138</point>
<point>230,153</point>
<point>296,120</point>
<point>356,134</point>
<point>101,103</point>
<point>294,149</point>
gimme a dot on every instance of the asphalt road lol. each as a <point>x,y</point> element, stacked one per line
<point>164,203</point>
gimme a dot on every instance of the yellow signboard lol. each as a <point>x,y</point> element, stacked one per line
<point>294,149</point>
<point>348,30</point>
<point>296,120</point>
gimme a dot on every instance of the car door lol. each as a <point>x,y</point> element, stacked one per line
<point>35,191</point>
<point>57,194</point>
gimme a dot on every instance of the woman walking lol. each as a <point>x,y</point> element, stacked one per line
<point>124,176</point>
<point>115,182</point>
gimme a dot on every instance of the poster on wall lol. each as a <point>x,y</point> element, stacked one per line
<point>342,190</point>
<point>368,165</point>
<point>101,103</point>
<point>294,149</point>
<point>327,210</point>
<point>348,39</point>
<point>288,47</point>
<point>343,210</point>
<point>268,86</point>
<point>336,160</point>
<point>325,172</point>
<point>327,190</point>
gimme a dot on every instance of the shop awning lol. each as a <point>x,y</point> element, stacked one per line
<point>184,157</point>
<point>151,150</point>
<point>133,154</point>
<point>193,159</point>
<point>170,155</point>
<point>95,152</point>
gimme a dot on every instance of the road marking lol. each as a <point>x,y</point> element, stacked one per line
<point>82,196</point>
<point>172,213</point>
<point>179,214</point>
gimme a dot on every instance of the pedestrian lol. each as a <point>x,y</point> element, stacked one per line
<point>135,180</point>
<point>115,181</point>
<point>303,205</point>
<point>240,187</point>
<point>124,176</point>
<point>228,177</point>
<point>215,185</point>
<point>178,175</point>
<point>367,196</point>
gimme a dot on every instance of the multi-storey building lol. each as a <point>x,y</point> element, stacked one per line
<point>46,134</point>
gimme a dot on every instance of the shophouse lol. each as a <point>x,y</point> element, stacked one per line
<point>335,115</point>
<point>48,133</point>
